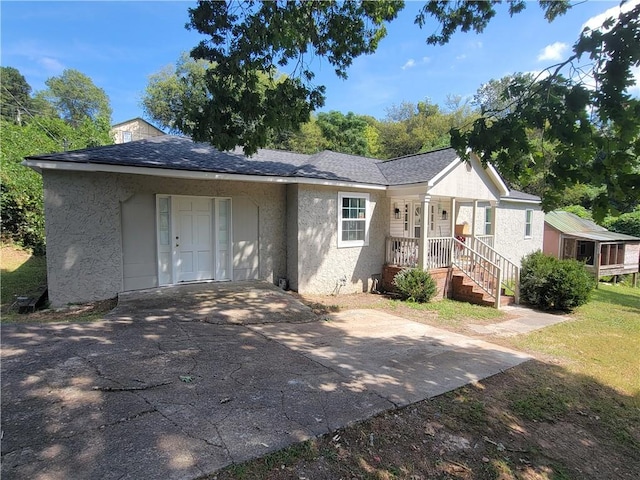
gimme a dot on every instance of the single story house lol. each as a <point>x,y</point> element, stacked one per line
<point>166,210</point>
<point>604,253</point>
<point>134,129</point>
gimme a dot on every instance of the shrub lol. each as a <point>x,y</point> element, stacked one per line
<point>549,283</point>
<point>628,223</point>
<point>415,284</point>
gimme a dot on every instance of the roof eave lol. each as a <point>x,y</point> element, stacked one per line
<point>39,165</point>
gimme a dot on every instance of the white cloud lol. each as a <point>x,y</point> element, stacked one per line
<point>461,57</point>
<point>409,64</point>
<point>51,65</point>
<point>596,22</point>
<point>426,59</point>
<point>555,51</point>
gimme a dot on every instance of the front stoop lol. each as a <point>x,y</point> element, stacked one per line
<point>465,290</point>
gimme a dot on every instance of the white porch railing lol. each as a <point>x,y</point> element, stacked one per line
<point>487,239</point>
<point>510,279</point>
<point>404,252</point>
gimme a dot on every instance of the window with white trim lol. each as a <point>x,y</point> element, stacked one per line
<point>488,214</point>
<point>126,136</point>
<point>528,221</point>
<point>353,219</point>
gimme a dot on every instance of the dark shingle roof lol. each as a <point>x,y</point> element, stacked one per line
<point>418,168</point>
<point>179,153</point>
<point>339,166</point>
<point>516,195</point>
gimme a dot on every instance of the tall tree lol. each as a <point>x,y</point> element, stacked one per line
<point>76,97</point>
<point>15,94</point>
<point>345,133</point>
<point>248,37</point>
<point>174,93</point>
<point>594,132</point>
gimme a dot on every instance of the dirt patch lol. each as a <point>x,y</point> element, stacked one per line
<point>428,314</point>
<point>84,312</point>
<point>475,432</point>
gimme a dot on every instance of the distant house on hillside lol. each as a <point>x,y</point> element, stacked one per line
<point>605,253</point>
<point>134,129</point>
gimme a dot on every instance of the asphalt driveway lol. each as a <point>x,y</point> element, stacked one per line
<point>177,383</point>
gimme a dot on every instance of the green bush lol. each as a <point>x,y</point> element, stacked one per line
<point>628,223</point>
<point>415,284</point>
<point>549,283</point>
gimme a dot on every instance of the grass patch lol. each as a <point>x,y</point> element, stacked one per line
<point>452,311</point>
<point>26,274</point>
<point>603,340</point>
<point>22,273</point>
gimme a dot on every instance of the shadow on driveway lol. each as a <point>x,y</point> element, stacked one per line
<point>178,383</point>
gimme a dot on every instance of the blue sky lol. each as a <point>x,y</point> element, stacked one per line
<point>119,44</point>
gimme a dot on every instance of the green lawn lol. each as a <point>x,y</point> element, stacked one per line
<point>603,340</point>
<point>22,273</point>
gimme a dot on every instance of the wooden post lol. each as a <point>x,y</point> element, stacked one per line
<point>597,265</point>
<point>498,288</point>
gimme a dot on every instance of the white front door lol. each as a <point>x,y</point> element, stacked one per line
<point>193,250</point>
<point>194,239</point>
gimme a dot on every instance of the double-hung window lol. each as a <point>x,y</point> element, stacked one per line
<point>353,219</point>
<point>528,220</point>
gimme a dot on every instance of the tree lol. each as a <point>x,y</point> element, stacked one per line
<point>246,38</point>
<point>75,97</point>
<point>596,130</point>
<point>21,202</point>
<point>173,94</point>
<point>345,133</point>
<point>14,94</point>
<point>411,128</point>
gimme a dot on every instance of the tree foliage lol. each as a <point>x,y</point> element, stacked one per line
<point>76,97</point>
<point>628,223</point>
<point>14,94</point>
<point>172,94</point>
<point>581,111</point>
<point>589,119</point>
<point>21,201</point>
<point>246,39</point>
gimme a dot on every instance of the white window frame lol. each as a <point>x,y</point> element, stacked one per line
<point>127,136</point>
<point>528,223</point>
<point>367,220</point>
<point>488,224</point>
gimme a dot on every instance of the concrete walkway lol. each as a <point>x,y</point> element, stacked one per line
<point>526,320</point>
<point>177,390</point>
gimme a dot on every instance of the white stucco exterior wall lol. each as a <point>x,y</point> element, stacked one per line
<point>83,220</point>
<point>510,238</point>
<point>82,224</point>
<point>320,263</point>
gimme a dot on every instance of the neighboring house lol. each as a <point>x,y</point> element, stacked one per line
<point>604,253</point>
<point>167,210</point>
<point>134,129</point>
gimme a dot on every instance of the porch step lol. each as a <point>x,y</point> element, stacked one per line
<point>465,290</point>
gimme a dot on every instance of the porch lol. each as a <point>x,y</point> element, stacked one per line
<point>466,268</point>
